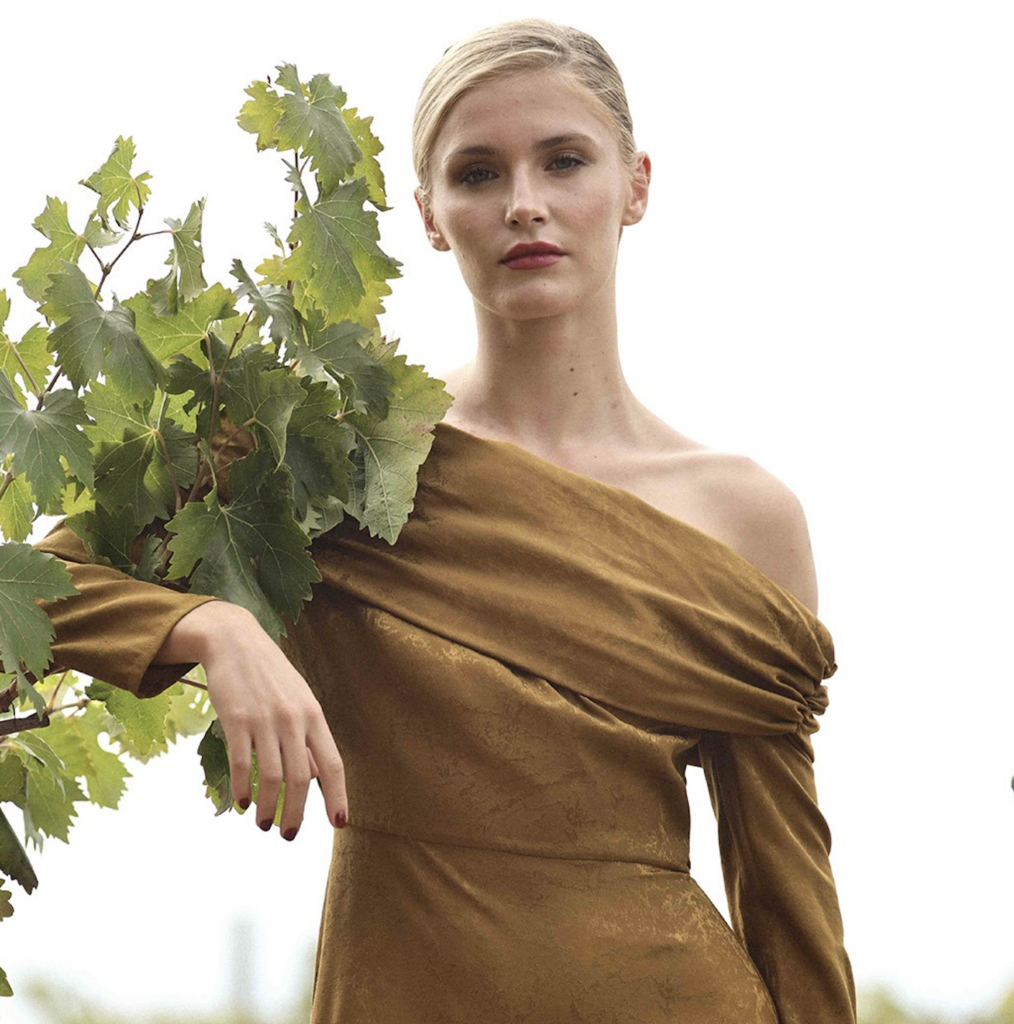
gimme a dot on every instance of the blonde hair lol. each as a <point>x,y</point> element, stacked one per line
<point>508,49</point>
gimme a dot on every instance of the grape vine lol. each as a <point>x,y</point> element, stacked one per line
<point>194,436</point>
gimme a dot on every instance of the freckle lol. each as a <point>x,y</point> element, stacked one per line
<point>572,369</point>
<point>575,394</point>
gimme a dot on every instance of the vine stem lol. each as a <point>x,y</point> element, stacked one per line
<point>7,481</point>
<point>25,370</point>
<point>8,726</point>
<point>172,471</point>
<point>107,268</point>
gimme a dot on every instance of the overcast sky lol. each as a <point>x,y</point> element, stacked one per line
<point>822,281</point>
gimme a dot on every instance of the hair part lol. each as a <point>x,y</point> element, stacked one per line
<point>509,49</point>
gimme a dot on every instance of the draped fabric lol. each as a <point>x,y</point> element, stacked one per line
<point>517,689</point>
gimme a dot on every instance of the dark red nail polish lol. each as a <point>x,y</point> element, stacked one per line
<point>244,803</point>
<point>290,834</point>
<point>340,820</point>
<point>265,824</point>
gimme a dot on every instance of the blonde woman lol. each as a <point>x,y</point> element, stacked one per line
<point>584,603</point>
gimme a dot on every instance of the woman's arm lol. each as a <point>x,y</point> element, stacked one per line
<point>775,847</point>
<point>143,637</point>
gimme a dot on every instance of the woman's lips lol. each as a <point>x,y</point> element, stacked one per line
<point>531,257</point>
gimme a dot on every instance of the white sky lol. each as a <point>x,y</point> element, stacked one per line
<point>823,281</point>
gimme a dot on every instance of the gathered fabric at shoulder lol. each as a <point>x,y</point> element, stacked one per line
<point>590,587</point>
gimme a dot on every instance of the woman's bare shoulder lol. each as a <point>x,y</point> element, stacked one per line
<point>733,498</point>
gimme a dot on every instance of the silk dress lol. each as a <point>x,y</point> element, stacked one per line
<point>518,688</point>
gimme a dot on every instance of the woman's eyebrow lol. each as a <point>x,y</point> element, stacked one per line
<point>542,144</point>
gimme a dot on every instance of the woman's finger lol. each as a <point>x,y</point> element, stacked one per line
<point>269,779</point>
<point>296,767</point>
<point>330,774</point>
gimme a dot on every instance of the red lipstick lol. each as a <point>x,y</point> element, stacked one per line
<point>532,255</point>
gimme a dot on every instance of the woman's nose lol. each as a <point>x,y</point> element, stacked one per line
<point>525,203</point>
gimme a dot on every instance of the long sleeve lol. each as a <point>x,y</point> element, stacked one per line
<point>775,847</point>
<point>115,626</point>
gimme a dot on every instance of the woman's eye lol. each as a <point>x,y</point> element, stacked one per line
<point>475,175</point>
<point>565,162</point>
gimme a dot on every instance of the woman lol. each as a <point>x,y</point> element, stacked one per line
<point>584,603</point>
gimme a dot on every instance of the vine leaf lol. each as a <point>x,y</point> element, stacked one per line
<point>34,354</point>
<point>86,332</point>
<point>75,741</point>
<point>317,450</point>
<point>39,437</point>
<point>14,862</point>
<point>66,245</point>
<point>117,186</point>
<point>260,114</point>
<point>391,450</point>
<point>311,120</point>
<point>139,724</point>
<point>16,510</point>
<point>27,575</point>
<point>51,791</point>
<point>186,257</point>
<point>270,303</point>
<point>214,755</point>
<point>251,551</point>
<point>370,147</point>
<point>182,331</point>
<point>336,351</point>
<point>6,910</point>
<point>337,249</point>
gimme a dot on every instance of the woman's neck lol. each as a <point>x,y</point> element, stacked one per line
<point>548,384</point>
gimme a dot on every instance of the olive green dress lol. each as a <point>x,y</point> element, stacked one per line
<point>517,688</point>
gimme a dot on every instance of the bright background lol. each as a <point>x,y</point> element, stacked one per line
<point>823,280</point>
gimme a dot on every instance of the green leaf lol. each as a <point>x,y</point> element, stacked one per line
<point>183,331</point>
<point>317,450</point>
<point>312,121</point>
<point>214,757</point>
<point>335,351</point>
<point>16,510</point>
<point>33,353</point>
<point>26,576</point>
<point>66,245</point>
<point>5,985</point>
<point>6,910</point>
<point>14,862</point>
<point>271,303</point>
<point>117,186</point>
<point>186,257</point>
<point>133,472</point>
<point>13,779</point>
<point>337,249</point>
<point>87,332</point>
<point>251,551</point>
<point>50,801</point>
<point>391,450</point>
<point>37,438</point>
<point>75,740</point>
<point>260,114</point>
<point>370,147</point>
<point>256,394</point>
<point>51,791</point>
<point>141,721</point>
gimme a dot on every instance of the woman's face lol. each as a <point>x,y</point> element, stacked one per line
<point>529,191</point>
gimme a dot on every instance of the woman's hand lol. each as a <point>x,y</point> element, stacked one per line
<point>264,705</point>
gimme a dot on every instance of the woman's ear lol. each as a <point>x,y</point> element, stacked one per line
<point>640,179</point>
<point>437,240</point>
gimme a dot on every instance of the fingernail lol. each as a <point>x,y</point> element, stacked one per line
<point>244,803</point>
<point>290,834</point>
<point>265,825</point>
<point>340,820</point>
